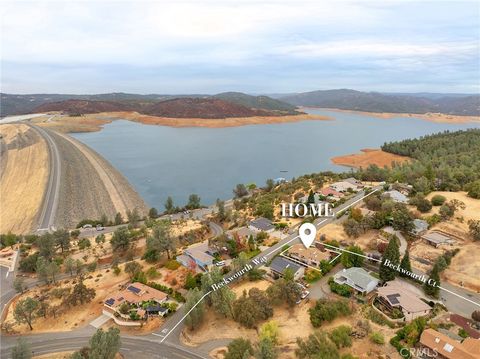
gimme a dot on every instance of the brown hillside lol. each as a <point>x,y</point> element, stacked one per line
<point>176,108</point>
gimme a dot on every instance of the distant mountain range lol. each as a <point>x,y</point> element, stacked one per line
<point>465,105</point>
<point>237,104</point>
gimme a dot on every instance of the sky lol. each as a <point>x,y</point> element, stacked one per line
<point>173,47</point>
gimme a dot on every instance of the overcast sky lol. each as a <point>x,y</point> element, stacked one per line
<point>250,46</point>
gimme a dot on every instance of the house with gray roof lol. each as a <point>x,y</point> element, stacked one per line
<point>420,227</point>
<point>261,224</point>
<point>280,264</point>
<point>356,278</point>
<point>437,239</point>
<point>396,196</point>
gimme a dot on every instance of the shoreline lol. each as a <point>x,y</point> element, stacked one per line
<point>369,156</point>
<point>95,122</point>
<point>432,117</point>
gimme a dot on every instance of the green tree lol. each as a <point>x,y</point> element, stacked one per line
<point>221,299</point>
<point>446,211</point>
<point>133,217</point>
<point>352,228</point>
<point>161,240</point>
<point>195,308</point>
<point>316,346</point>
<point>81,294</point>
<point>270,331</point>
<point>392,254</point>
<point>132,268</point>
<point>266,350</point>
<point>438,200</point>
<point>46,246</point>
<point>153,213</point>
<point>350,259</point>
<point>269,185</point>
<point>104,344</point>
<point>221,215</point>
<point>169,206</point>
<point>431,287</point>
<point>401,218</point>
<point>62,239</point>
<point>240,191</point>
<point>19,285</point>
<point>474,229</point>
<point>340,336</point>
<point>239,349</point>
<point>311,197</point>
<point>193,201</point>
<point>405,264</point>
<point>120,239</point>
<point>25,311</point>
<point>118,219</point>
<point>250,310</point>
<point>474,189</point>
<point>21,350</point>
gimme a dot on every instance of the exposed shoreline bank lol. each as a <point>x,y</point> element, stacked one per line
<point>95,122</point>
<point>432,117</point>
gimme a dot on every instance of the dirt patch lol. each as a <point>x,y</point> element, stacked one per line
<point>369,157</point>
<point>59,355</point>
<point>24,177</point>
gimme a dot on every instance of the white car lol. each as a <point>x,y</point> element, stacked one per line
<point>85,226</point>
<point>220,263</point>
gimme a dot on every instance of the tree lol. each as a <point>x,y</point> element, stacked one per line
<point>476,315</point>
<point>132,268</point>
<point>474,189</point>
<point>221,299</point>
<point>446,211</point>
<point>350,259</point>
<point>80,294</point>
<point>239,349</point>
<point>25,311</point>
<point>120,239</point>
<point>104,220</point>
<point>133,217</point>
<point>169,206</point>
<point>21,350</point>
<point>62,239</point>
<point>405,264</point>
<point>311,197</point>
<point>104,344</point>
<point>270,331</point>
<point>401,218</point>
<point>100,239</point>
<point>221,215</point>
<point>423,204</point>
<point>195,308</point>
<point>326,310</point>
<point>250,310</point>
<point>269,184</point>
<point>193,201</point>
<point>29,263</point>
<point>431,287</point>
<point>153,213</point>
<point>240,191</point>
<point>392,254</point>
<point>266,350</point>
<point>341,336</point>
<point>46,246</point>
<point>19,285</point>
<point>161,239</point>
<point>352,228</point>
<point>118,219</point>
<point>474,229</point>
<point>317,346</point>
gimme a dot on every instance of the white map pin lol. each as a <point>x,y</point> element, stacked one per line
<point>307,233</point>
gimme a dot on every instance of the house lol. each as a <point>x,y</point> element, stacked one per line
<point>136,294</point>
<point>280,264</point>
<point>243,233</point>
<point>396,196</point>
<point>317,199</point>
<point>330,192</point>
<point>437,239</point>
<point>310,256</point>
<point>199,254</point>
<point>261,224</point>
<point>442,346</point>
<point>355,182</point>
<point>356,278</point>
<point>396,294</point>
<point>343,186</point>
<point>420,227</point>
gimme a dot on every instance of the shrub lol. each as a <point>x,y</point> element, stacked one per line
<point>377,338</point>
<point>312,275</point>
<point>438,200</point>
<point>341,289</point>
<point>326,310</point>
<point>341,336</point>
<point>172,264</point>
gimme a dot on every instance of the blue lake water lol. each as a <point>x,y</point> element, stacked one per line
<point>162,161</point>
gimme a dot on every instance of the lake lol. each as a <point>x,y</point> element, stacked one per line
<point>164,161</point>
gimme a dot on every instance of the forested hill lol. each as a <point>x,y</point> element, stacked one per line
<point>345,99</point>
<point>448,161</point>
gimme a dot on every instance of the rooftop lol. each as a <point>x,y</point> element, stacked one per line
<point>262,224</point>
<point>357,275</point>
<point>279,264</point>
<point>135,293</point>
<point>311,253</point>
<point>437,238</point>
<point>400,295</point>
<point>449,348</point>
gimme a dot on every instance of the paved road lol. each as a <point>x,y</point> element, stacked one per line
<point>50,199</point>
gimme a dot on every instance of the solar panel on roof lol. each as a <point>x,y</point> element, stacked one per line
<point>392,298</point>
<point>133,289</point>
<point>110,301</point>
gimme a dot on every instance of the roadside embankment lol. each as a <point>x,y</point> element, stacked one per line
<point>369,157</point>
<point>24,165</point>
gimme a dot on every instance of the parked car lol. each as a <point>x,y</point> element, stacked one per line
<point>100,227</point>
<point>85,226</point>
<point>220,263</point>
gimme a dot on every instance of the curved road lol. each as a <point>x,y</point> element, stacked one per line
<point>50,199</point>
